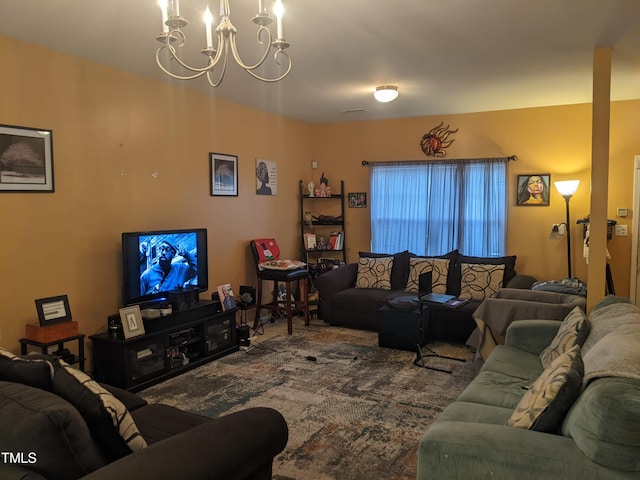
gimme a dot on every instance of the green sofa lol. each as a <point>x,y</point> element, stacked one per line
<point>599,436</point>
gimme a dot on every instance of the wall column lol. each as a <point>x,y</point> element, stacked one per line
<point>601,109</point>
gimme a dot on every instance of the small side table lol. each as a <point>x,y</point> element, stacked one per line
<point>403,330</point>
<point>43,346</point>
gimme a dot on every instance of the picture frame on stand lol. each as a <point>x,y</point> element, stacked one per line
<point>131,318</point>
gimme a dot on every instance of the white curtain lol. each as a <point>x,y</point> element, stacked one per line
<point>431,208</point>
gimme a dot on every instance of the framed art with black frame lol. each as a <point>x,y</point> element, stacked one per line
<point>533,190</point>
<point>131,319</point>
<point>53,310</point>
<point>26,159</point>
<point>223,170</point>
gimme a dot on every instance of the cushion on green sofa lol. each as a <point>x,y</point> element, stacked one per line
<point>480,281</point>
<point>374,273</point>
<point>110,423</point>
<point>605,423</point>
<point>35,372</point>
<point>48,431</point>
<point>572,331</point>
<point>544,405</point>
<point>439,268</point>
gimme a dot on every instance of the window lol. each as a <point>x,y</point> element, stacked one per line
<point>431,208</point>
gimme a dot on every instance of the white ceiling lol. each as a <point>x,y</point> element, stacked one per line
<point>447,56</point>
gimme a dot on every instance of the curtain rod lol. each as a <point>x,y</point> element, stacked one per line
<point>409,162</point>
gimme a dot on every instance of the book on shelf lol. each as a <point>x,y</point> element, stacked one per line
<point>336,240</point>
<point>310,241</point>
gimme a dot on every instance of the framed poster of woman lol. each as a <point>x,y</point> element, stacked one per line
<point>533,190</point>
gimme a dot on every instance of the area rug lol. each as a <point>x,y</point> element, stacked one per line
<point>355,410</point>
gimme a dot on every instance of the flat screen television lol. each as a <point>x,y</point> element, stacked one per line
<point>164,261</point>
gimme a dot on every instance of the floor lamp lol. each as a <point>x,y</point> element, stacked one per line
<point>567,188</point>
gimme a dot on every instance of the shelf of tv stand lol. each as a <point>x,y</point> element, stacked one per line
<point>139,362</point>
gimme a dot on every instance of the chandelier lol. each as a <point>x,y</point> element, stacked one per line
<point>173,37</point>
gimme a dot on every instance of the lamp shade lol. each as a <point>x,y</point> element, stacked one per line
<point>386,93</point>
<point>567,187</point>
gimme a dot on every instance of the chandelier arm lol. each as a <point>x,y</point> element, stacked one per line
<point>236,55</point>
<point>222,71</point>
<point>276,79</point>
<point>212,61</point>
<point>171,74</point>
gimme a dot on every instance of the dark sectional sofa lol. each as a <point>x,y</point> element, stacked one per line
<point>57,424</point>
<point>343,302</point>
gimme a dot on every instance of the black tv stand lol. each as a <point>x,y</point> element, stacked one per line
<point>171,345</point>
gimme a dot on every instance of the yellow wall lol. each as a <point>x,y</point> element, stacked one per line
<point>112,130</point>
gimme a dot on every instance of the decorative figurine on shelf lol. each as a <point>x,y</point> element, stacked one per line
<point>308,218</point>
<point>324,190</point>
<point>311,188</point>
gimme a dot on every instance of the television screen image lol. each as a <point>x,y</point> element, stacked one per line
<point>155,263</point>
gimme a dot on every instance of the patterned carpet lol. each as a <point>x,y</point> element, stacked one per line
<point>357,412</point>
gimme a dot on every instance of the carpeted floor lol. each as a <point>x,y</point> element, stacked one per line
<point>356,412</point>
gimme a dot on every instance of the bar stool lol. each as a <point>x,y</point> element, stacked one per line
<point>270,267</point>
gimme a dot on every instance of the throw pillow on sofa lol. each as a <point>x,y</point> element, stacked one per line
<point>35,371</point>
<point>544,405</point>
<point>49,432</point>
<point>439,268</point>
<point>573,331</point>
<point>399,270</point>
<point>374,273</point>
<point>480,281</point>
<point>111,425</point>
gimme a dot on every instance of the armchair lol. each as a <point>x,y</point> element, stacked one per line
<point>494,315</point>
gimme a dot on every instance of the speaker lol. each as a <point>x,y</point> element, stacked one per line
<point>183,300</point>
<point>114,327</point>
<point>247,295</point>
<point>243,335</point>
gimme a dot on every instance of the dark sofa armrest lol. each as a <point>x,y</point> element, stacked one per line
<point>521,282</point>
<point>130,400</point>
<point>239,445</point>
<point>337,280</point>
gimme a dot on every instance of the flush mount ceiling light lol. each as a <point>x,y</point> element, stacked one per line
<point>386,93</point>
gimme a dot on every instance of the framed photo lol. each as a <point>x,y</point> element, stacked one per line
<point>53,310</point>
<point>224,174</point>
<point>533,190</point>
<point>26,159</point>
<point>131,319</point>
<point>227,299</point>
<point>357,200</point>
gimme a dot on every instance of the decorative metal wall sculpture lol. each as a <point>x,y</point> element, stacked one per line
<point>436,140</point>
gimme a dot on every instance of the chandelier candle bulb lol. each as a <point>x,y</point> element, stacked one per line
<point>208,21</point>
<point>175,4</point>
<point>163,8</point>
<point>261,8</point>
<point>279,11</point>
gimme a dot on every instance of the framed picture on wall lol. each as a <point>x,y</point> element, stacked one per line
<point>26,159</point>
<point>358,200</point>
<point>266,177</point>
<point>533,190</point>
<point>223,173</point>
